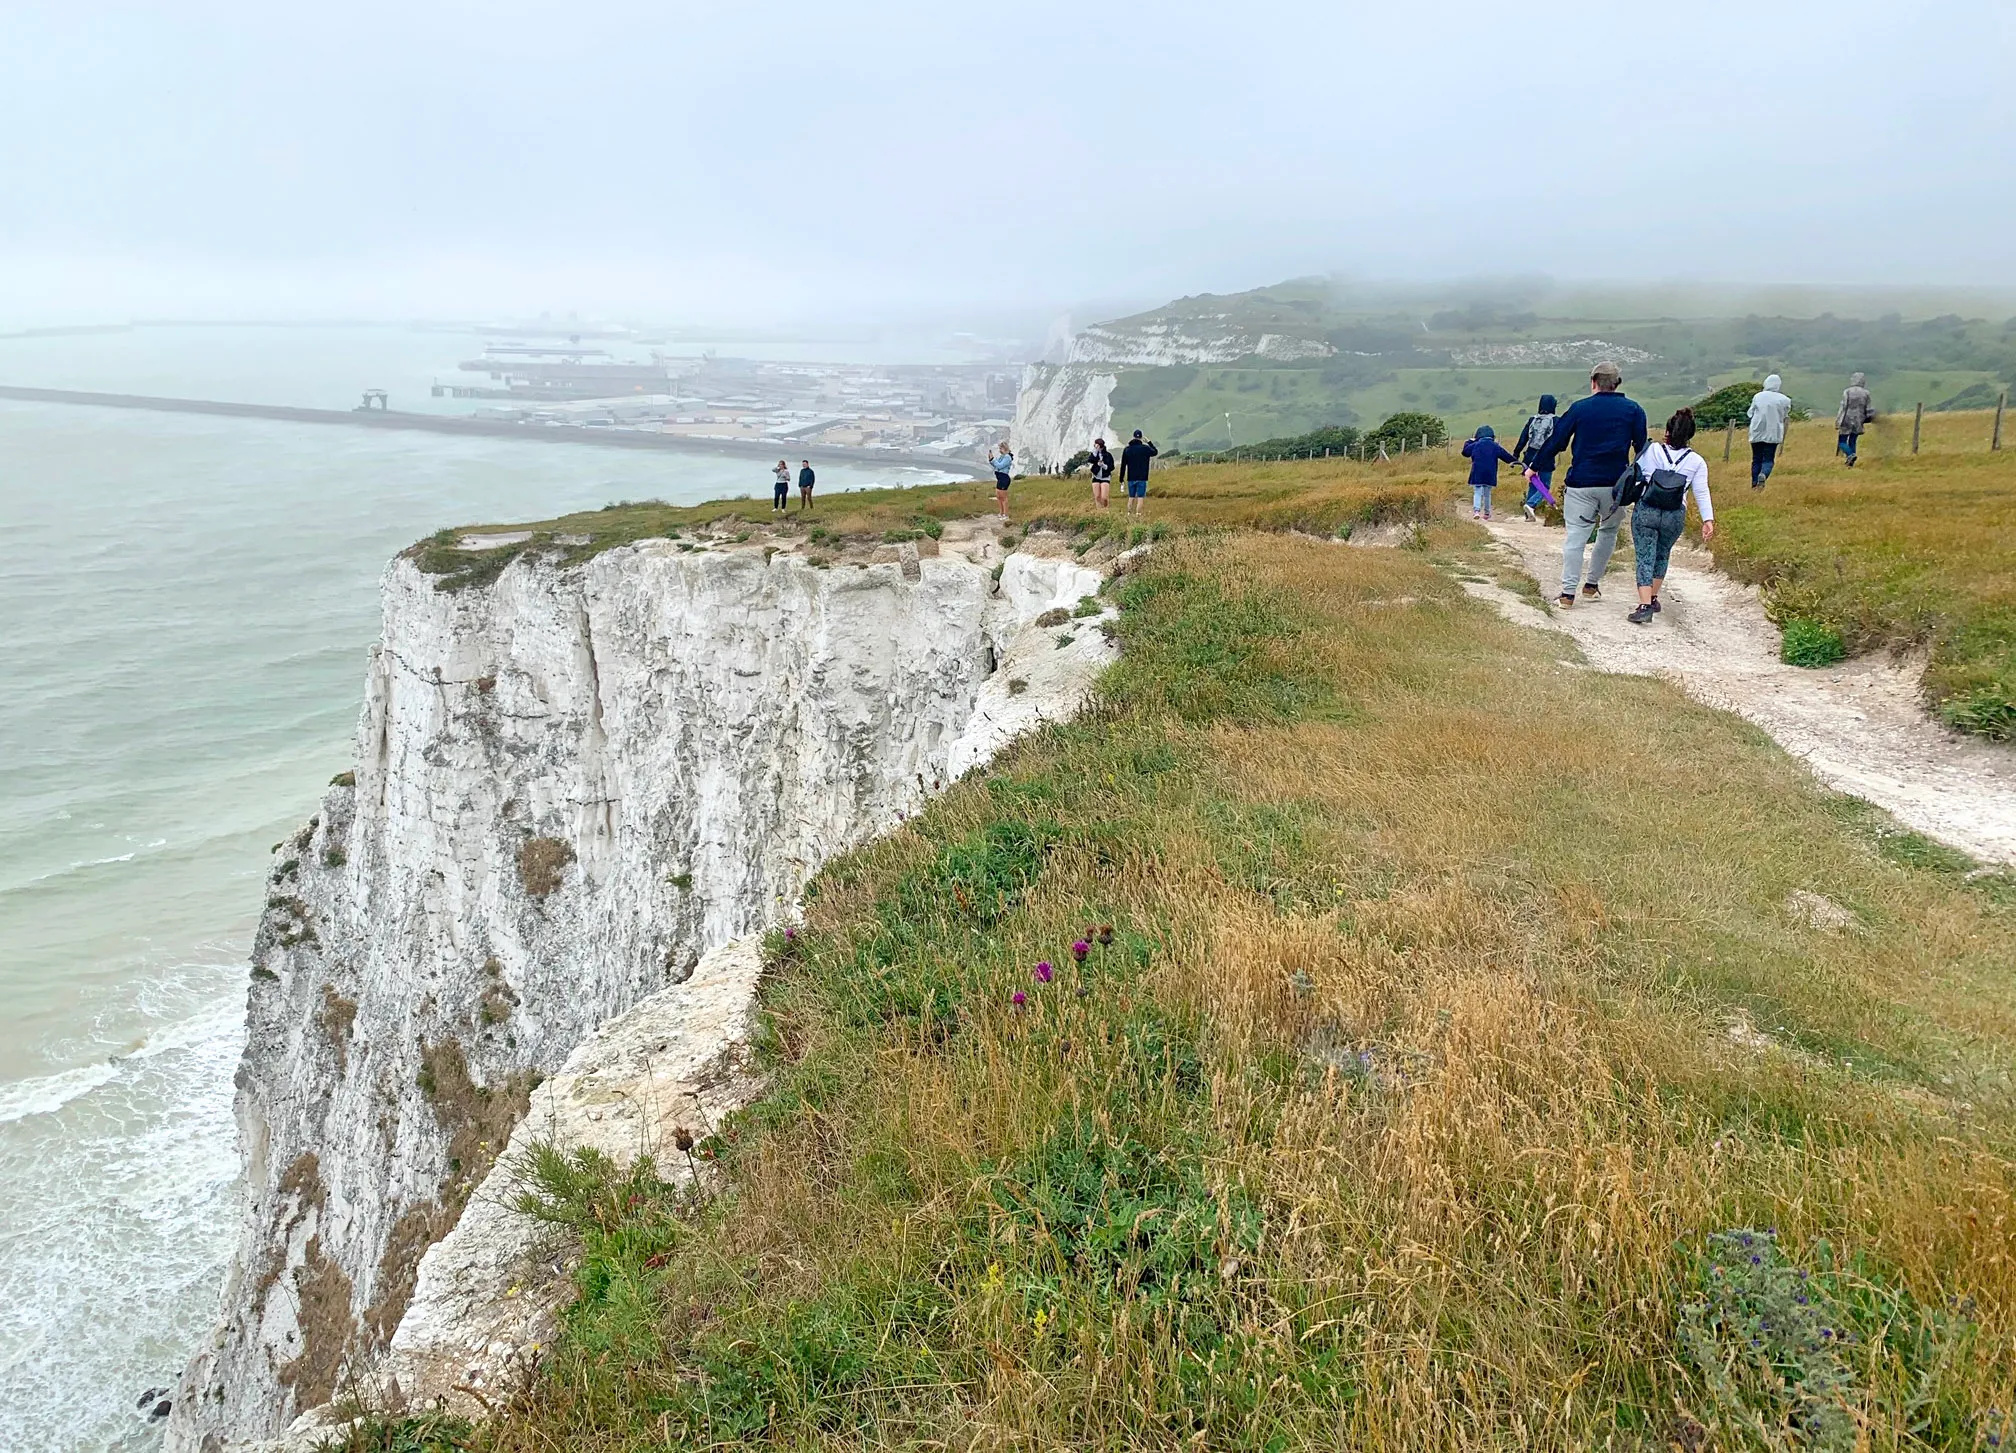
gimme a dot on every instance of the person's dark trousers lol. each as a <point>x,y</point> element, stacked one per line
<point>1762,457</point>
<point>782,497</point>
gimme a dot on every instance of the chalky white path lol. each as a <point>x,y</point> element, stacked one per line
<point>1861,726</point>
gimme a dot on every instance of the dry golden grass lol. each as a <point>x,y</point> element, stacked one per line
<point>1453,1004</point>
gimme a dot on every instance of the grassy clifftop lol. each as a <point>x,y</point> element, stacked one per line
<point>1454,1061</point>
<point>1903,552</point>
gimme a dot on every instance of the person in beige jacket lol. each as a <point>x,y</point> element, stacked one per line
<point>1857,411</point>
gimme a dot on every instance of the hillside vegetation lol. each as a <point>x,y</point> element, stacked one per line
<point>1430,1054</point>
<point>1476,363</point>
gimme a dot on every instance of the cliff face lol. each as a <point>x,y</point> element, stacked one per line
<point>1063,407</point>
<point>568,786</point>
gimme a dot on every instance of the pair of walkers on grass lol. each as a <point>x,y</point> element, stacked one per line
<point>1771,411</point>
<point>1133,467</point>
<point>1614,467</point>
<point>780,492</point>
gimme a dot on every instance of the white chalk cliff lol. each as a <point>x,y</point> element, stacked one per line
<point>1064,406</point>
<point>571,786</point>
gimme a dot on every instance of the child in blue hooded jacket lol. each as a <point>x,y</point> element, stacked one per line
<point>1485,454</point>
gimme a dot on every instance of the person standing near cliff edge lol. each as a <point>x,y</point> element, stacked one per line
<point>1609,432</point>
<point>780,493</point>
<point>1003,465</point>
<point>806,479</point>
<point>1102,474</point>
<point>1134,472</point>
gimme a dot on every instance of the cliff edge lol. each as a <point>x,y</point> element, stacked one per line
<point>570,784</point>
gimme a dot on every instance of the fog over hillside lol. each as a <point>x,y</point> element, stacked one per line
<point>797,161</point>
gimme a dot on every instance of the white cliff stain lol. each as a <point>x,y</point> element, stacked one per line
<point>569,787</point>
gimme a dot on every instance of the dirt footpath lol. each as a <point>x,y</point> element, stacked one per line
<point>1861,726</point>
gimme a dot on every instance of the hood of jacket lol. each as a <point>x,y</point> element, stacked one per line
<point>1855,380</point>
<point>1484,432</point>
<point>1546,403</point>
<point>1774,383</point>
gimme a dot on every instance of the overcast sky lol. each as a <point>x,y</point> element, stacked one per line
<point>776,160</point>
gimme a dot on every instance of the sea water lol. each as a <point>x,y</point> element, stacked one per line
<point>186,604</point>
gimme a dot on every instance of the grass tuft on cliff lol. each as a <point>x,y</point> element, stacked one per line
<point>1444,1046</point>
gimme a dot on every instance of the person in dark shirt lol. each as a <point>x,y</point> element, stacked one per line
<point>1485,454</point>
<point>806,479</point>
<point>1102,473</point>
<point>1134,471</point>
<point>1608,431</point>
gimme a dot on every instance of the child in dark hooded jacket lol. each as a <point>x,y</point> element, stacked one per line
<point>1485,454</point>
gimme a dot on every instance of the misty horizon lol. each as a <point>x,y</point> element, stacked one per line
<point>371,161</point>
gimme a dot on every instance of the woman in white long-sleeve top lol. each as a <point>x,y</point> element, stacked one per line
<point>1671,471</point>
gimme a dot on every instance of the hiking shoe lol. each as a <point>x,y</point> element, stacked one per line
<point>1643,614</point>
<point>1567,602</point>
<point>1590,591</point>
<point>1656,607</point>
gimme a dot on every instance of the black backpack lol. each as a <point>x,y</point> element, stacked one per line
<point>1667,488</point>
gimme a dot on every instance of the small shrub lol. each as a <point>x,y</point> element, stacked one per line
<point>682,881</point>
<point>1077,462</point>
<point>1811,643</point>
<point>1725,406</point>
<point>1984,711</point>
<point>1408,429</point>
<point>1016,686</point>
<point>541,862</point>
<point>343,779</point>
<point>1089,606</point>
<point>1816,1351</point>
<point>1056,617</point>
<point>335,858</point>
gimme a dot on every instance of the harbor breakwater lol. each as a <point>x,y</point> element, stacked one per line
<point>499,429</point>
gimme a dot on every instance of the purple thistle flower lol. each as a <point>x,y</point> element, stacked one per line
<point>1043,972</point>
<point>1080,949</point>
<point>1018,998</point>
<point>790,935</point>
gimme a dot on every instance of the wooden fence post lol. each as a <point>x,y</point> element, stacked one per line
<point>2000,404</point>
<point>1728,439</point>
<point>1917,423</point>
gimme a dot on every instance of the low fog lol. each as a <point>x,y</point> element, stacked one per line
<point>761,163</point>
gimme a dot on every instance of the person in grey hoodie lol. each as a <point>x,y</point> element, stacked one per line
<point>1768,412</point>
<point>1857,410</point>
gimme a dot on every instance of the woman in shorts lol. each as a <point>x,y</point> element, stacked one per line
<point>1003,464</point>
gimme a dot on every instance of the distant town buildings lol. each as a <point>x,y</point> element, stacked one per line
<point>954,409</point>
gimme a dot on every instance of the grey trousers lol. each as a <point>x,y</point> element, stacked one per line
<point>1587,510</point>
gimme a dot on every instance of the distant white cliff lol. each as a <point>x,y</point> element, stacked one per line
<point>1063,406</point>
<point>570,785</point>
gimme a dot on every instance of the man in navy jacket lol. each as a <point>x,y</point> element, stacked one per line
<point>1609,432</point>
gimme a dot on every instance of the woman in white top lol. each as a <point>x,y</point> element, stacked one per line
<point>1671,470</point>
